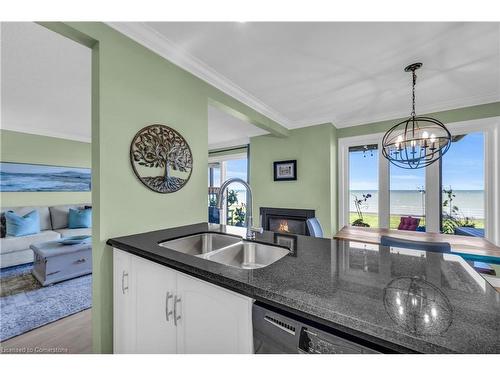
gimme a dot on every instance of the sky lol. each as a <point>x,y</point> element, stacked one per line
<point>234,169</point>
<point>237,169</point>
<point>463,168</point>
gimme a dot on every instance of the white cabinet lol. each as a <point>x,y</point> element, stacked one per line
<point>159,310</point>
<point>123,303</point>
<point>155,290</point>
<point>212,319</point>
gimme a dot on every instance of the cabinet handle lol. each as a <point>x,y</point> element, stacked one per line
<point>168,313</point>
<point>176,317</point>
<point>124,288</point>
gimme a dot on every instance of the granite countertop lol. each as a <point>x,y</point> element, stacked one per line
<point>404,300</point>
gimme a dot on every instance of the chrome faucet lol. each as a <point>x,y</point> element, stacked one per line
<point>251,230</point>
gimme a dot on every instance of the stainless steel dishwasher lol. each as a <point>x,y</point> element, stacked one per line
<point>275,333</point>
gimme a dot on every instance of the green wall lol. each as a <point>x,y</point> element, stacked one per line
<point>133,87</point>
<point>28,148</point>
<point>315,149</point>
<point>447,117</point>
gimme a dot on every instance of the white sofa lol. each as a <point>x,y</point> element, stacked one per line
<point>53,226</point>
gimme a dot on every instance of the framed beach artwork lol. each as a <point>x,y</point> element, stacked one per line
<point>19,177</point>
<point>285,170</point>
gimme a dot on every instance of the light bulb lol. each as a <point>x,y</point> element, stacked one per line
<point>426,318</point>
<point>433,312</point>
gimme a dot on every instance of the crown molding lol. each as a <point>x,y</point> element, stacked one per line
<point>46,133</point>
<point>158,43</point>
<point>441,107</point>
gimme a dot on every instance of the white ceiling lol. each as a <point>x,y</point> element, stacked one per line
<point>225,130</point>
<point>299,74</point>
<point>46,82</point>
<point>302,74</point>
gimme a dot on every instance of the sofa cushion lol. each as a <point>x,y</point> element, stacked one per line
<point>20,226</point>
<point>80,218</point>
<point>59,214</point>
<point>74,232</point>
<point>10,244</point>
<point>43,213</point>
<point>408,223</point>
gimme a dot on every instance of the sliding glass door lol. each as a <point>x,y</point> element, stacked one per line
<point>363,185</point>
<point>462,176</point>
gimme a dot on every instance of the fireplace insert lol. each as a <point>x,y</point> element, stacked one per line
<point>286,220</point>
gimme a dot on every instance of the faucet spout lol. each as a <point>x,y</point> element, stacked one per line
<point>249,218</point>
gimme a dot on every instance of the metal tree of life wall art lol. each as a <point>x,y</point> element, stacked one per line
<point>161,158</point>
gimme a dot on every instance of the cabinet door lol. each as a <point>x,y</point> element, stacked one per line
<point>211,319</point>
<point>156,286</point>
<point>123,303</point>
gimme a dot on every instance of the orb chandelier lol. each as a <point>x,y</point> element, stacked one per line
<point>417,141</point>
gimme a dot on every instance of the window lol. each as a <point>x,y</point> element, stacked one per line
<point>214,174</point>
<point>407,198</point>
<point>363,185</point>
<point>458,194</point>
<point>462,176</point>
<point>220,169</point>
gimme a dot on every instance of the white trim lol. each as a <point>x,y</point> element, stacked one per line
<point>433,198</point>
<point>158,43</point>
<point>404,113</point>
<point>343,156</point>
<point>46,133</point>
<point>384,189</point>
<point>491,129</point>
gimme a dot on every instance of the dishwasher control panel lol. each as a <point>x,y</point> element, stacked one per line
<point>319,342</point>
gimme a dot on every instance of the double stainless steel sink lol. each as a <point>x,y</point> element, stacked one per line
<point>227,249</point>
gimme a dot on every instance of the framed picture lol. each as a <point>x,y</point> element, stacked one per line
<point>287,240</point>
<point>19,177</point>
<point>285,170</point>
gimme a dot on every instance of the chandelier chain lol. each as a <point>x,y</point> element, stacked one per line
<point>413,113</point>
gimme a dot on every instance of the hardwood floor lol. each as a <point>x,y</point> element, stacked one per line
<point>70,335</point>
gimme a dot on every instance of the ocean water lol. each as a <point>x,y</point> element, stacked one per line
<point>66,181</point>
<point>409,202</point>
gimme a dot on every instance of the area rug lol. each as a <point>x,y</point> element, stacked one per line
<point>26,305</point>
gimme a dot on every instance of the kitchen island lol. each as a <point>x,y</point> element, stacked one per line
<point>352,287</point>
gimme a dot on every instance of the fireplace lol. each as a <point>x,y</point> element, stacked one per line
<point>285,220</point>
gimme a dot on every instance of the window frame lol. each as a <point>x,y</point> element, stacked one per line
<point>491,129</point>
<point>222,160</point>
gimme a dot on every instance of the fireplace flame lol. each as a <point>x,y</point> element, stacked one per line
<point>283,226</point>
